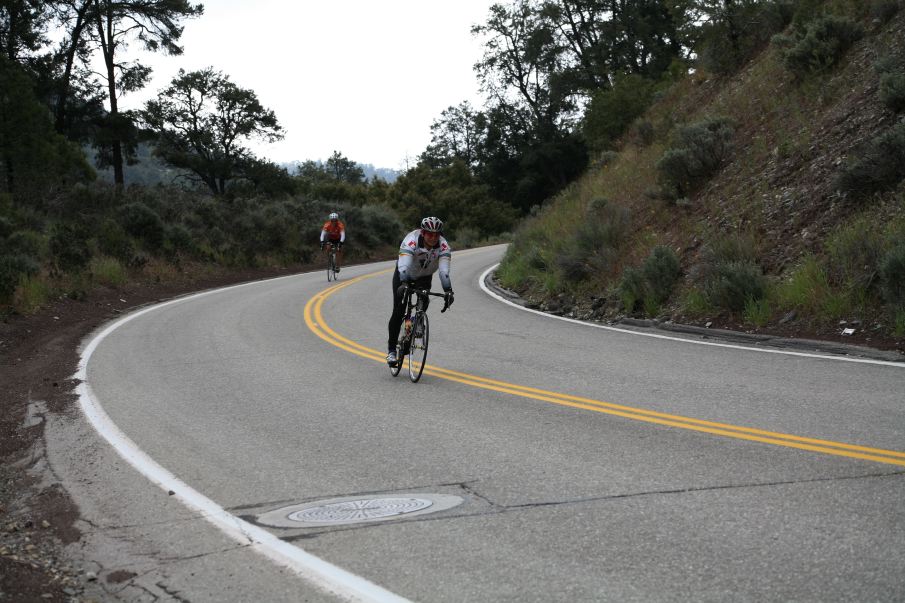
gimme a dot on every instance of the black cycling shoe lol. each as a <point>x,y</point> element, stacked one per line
<point>391,358</point>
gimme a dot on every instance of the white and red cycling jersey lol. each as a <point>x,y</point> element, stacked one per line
<point>416,260</point>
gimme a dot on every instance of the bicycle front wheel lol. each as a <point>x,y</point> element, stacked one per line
<point>418,353</point>
<point>331,267</point>
<point>395,368</point>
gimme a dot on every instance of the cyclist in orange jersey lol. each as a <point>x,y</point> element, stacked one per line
<point>334,232</point>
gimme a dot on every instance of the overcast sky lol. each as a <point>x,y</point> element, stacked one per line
<point>362,77</point>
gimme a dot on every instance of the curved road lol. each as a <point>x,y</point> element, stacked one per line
<point>583,464</point>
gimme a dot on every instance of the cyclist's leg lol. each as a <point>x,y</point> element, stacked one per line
<point>339,254</point>
<point>396,317</point>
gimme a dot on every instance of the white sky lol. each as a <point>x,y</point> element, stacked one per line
<point>365,78</point>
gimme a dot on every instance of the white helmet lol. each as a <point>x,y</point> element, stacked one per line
<point>334,216</point>
<point>432,225</point>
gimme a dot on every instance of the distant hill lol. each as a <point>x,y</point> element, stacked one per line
<point>150,171</point>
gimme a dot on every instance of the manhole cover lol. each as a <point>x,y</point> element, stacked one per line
<point>348,510</point>
<point>355,510</point>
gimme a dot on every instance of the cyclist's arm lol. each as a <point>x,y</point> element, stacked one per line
<point>404,265</point>
<point>342,234</point>
<point>323,234</point>
<point>443,272</point>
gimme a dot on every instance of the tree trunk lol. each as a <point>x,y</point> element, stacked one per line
<point>107,46</point>
<point>65,86</point>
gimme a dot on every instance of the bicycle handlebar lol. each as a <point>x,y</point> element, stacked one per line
<point>415,291</point>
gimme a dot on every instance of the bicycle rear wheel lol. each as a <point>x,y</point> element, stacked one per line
<point>418,352</point>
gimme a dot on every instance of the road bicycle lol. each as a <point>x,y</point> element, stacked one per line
<point>331,263</point>
<point>415,333</point>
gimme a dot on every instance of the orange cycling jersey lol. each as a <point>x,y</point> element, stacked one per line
<point>334,231</point>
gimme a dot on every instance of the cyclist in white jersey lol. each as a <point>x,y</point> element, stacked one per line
<point>422,252</point>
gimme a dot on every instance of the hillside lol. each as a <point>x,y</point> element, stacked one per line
<point>813,250</point>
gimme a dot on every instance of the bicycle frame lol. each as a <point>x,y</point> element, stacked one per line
<point>414,320</point>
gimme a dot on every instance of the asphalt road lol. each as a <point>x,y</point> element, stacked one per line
<point>583,464</point>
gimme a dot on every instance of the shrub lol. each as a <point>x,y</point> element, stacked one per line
<point>660,271</point>
<point>107,271</point>
<point>734,284</point>
<point>880,167</point>
<point>819,45</point>
<point>758,311</point>
<point>112,240</point>
<point>572,263</point>
<point>884,10</point>
<point>644,132</point>
<point>727,43</point>
<point>612,110</point>
<point>892,90</point>
<point>143,223</point>
<point>26,242</point>
<point>631,288</point>
<point>69,246</point>
<point>892,275</point>
<point>32,293</point>
<point>854,253</point>
<point>179,238</point>
<point>6,227</point>
<point>12,268</point>
<point>698,151</point>
<point>379,225</point>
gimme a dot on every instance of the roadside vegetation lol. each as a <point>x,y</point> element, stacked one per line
<point>762,189</point>
<point>739,162</point>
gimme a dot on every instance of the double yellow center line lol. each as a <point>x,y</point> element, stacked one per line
<point>315,320</point>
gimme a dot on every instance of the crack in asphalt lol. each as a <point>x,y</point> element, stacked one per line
<point>497,508</point>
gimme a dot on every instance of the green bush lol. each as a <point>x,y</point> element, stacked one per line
<point>733,285</point>
<point>661,270</point>
<point>728,42</point>
<point>892,275</point>
<point>143,223</point>
<point>6,227</point>
<point>854,254</point>
<point>179,238</point>
<point>26,242</point>
<point>112,240</point>
<point>819,45</point>
<point>572,263</point>
<point>698,151</point>
<point>12,268</point>
<point>631,289</point>
<point>69,246</point>
<point>880,166</point>
<point>612,110</point>
<point>892,90</point>
<point>884,10</point>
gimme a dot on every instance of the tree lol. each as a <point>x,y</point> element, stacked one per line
<point>22,27</point>
<point>520,58</point>
<point>456,135</point>
<point>343,169</point>
<point>34,159</point>
<point>201,123</point>
<point>155,23</point>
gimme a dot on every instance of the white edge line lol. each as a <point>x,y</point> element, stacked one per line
<point>496,296</point>
<point>322,574</point>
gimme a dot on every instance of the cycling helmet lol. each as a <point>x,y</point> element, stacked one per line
<point>432,225</point>
<point>334,216</point>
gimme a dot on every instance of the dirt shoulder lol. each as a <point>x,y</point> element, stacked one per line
<point>38,357</point>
